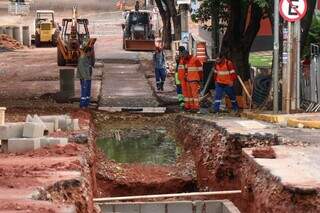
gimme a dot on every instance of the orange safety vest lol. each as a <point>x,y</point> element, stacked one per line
<point>182,70</point>
<point>194,67</point>
<point>225,72</point>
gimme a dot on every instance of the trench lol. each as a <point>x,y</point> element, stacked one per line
<point>164,154</point>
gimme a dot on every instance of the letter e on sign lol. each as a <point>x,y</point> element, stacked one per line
<point>293,10</point>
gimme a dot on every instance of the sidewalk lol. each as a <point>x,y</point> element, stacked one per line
<point>300,120</point>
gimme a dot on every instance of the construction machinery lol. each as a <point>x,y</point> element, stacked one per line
<point>73,36</point>
<point>137,31</point>
<point>46,29</point>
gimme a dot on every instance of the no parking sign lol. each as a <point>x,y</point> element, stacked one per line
<point>293,10</point>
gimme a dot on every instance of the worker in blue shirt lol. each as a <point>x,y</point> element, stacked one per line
<point>160,68</point>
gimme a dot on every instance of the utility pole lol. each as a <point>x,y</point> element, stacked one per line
<point>275,71</point>
<point>292,11</point>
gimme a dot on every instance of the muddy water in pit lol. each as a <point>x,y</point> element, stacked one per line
<point>137,155</point>
<point>147,146</point>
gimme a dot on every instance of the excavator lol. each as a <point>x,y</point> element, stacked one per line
<point>74,34</point>
<point>138,34</point>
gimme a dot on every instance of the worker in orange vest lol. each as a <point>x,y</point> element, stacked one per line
<point>192,77</point>
<point>225,76</point>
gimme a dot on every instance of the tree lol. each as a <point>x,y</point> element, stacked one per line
<point>240,23</point>
<point>168,13</point>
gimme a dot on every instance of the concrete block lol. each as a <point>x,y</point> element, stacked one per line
<point>48,141</point>
<point>153,207</point>
<point>21,145</point>
<point>129,208</point>
<point>63,122</point>
<point>182,207</point>
<point>208,206</point>
<point>2,115</point>
<point>33,130</point>
<point>51,119</point>
<point>75,125</point>
<point>11,130</point>
<point>49,126</point>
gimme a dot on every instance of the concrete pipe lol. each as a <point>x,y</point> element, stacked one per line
<point>67,85</point>
<point>9,31</point>
<point>26,36</point>
<point>17,33</point>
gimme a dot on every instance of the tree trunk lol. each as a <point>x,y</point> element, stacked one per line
<point>166,20</point>
<point>166,32</point>
<point>236,44</point>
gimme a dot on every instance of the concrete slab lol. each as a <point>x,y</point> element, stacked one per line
<point>11,130</point>
<point>33,130</point>
<point>21,145</point>
<point>124,85</point>
<point>134,109</point>
<point>49,141</point>
<point>294,167</point>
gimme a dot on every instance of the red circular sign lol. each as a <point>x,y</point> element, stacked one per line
<point>293,10</point>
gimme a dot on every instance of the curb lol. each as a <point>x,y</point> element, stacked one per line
<point>292,122</point>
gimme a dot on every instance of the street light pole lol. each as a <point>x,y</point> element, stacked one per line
<point>275,71</point>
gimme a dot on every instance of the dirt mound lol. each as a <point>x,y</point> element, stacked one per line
<point>264,152</point>
<point>8,43</point>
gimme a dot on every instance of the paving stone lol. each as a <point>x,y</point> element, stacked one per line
<point>33,130</point>
<point>21,145</point>
<point>11,130</point>
<point>49,141</point>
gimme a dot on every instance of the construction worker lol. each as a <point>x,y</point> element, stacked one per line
<point>192,76</point>
<point>84,72</point>
<point>225,76</point>
<point>159,68</point>
<point>178,83</point>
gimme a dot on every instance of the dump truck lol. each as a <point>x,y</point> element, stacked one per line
<point>46,29</point>
<point>73,36</point>
<point>138,34</point>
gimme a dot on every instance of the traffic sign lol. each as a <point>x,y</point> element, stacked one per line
<point>293,10</point>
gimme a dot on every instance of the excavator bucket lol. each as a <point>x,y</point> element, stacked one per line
<point>140,45</point>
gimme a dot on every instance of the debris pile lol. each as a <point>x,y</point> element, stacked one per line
<point>264,152</point>
<point>8,43</point>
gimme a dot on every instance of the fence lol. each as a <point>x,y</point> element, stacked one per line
<point>310,81</point>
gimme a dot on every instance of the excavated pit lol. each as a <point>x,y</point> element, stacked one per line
<point>211,154</point>
<point>137,155</point>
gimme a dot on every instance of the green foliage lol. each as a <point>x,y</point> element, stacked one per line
<point>219,8</point>
<point>314,34</point>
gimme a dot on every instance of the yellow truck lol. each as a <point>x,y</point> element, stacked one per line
<point>46,29</point>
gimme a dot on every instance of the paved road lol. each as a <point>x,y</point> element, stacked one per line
<point>124,83</point>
